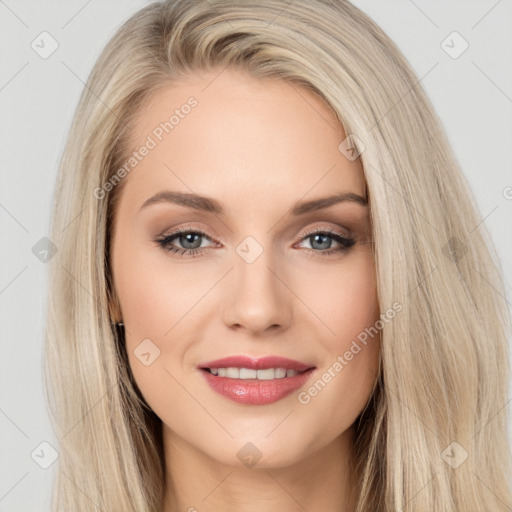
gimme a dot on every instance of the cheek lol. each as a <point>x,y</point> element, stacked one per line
<point>342,297</point>
<point>161,300</point>
<point>345,299</point>
<point>154,292</point>
<point>155,297</point>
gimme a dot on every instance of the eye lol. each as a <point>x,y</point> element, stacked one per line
<point>319,239</point>
<point>191,242</point>
<point>187,237</point>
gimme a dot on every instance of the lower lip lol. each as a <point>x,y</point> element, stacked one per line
<point>254,391</point>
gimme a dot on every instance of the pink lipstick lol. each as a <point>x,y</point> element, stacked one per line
<point>256,381</point>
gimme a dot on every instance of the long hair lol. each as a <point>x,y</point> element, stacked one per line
<point>433,436</point>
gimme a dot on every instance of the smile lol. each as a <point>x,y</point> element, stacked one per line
<point>255,381</point>
<point>249,373</point>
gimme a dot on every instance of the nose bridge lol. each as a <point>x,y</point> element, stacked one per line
<point>257,297</point>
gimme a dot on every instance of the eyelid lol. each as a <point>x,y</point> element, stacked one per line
<point>341,235</point>
<point>345,233</point>
<point>187,229</point>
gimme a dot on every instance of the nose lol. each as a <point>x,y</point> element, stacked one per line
<point>257,299</point>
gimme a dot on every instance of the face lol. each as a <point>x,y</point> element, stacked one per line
<point>252,272</point>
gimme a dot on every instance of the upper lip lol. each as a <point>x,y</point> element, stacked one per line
<point>260,363</point>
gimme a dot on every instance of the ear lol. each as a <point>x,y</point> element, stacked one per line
<point>114,308</point>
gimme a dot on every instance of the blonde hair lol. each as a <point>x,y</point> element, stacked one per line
<point>444,359</point>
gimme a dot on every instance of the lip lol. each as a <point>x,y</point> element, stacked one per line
<point>260,363</point>
<point>254,391</point>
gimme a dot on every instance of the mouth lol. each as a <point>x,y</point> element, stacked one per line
<point>252,374</point>
<point>248,364</point>
<point>252,381</point>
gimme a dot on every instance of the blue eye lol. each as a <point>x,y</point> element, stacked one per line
<point>190,240</point>
<point>320,238</point>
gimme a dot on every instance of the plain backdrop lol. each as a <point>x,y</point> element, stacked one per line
<point>472,93</point>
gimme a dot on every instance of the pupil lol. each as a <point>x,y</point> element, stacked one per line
<point>315,237</point>
<point>187,241</point>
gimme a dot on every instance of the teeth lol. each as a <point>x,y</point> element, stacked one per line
<point>280,373</point>
<point>268,374</point>
<point>233,373</point>
<point>247,373</point>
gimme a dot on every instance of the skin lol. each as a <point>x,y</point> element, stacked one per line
<point>258,147</point>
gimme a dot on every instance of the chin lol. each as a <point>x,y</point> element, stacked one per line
<point>259,453</point>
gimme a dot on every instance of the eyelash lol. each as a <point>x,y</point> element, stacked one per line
<point>165,242</point>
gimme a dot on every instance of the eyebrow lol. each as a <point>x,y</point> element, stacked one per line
<point>211,205</point>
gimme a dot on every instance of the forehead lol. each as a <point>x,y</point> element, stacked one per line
<point>233,135</point>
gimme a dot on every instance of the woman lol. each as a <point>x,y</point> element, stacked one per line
<point>260,369</point>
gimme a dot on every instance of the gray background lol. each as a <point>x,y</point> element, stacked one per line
<point>472,95</point>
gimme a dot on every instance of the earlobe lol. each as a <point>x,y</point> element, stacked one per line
<point>114,309</point>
